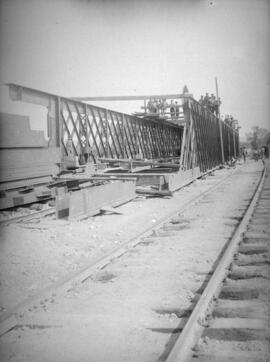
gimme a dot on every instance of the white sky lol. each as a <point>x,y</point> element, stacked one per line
<point>133,47</point>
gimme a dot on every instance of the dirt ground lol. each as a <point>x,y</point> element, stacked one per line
<point>128,310</point>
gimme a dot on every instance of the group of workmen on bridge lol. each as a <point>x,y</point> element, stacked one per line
<point>211,102</point>
<point>229,120</point>
<point>159,106</point>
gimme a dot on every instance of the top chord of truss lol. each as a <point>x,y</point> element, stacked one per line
<point>132,98</point>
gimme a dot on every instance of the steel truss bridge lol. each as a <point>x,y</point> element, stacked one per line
<point>201,140</point>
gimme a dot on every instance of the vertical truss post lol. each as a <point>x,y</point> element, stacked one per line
<point>186,136</point>
<point>53,117</point>
<point>234,146</point>
<point>59,122</point>
<point>229,145</point>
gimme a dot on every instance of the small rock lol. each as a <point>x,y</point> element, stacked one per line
<point>36,207</point>
<point>196,348</point>
<point>32,287</point>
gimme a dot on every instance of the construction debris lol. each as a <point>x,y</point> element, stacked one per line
<point>153,192</point>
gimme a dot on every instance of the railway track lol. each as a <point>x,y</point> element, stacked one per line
<point>167,230</point>
<point>9,318</point>
<point>231,321</point>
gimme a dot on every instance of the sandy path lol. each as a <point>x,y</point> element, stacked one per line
<point>127,311</point>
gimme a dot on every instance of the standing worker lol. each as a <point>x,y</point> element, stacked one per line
<point>212,103</point>
<point>262,154</point>
<point>255,155</point>
<point>201,101</point>
<point>164,105</point>
<point>150,105</point>
<point>177,110</point>
<point>172,110</point>
<point>207,101</point>
<point>154,106</point>
<point>185,89</point>
<point>244,154</point>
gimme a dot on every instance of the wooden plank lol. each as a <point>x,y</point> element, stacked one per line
<point>110,209</point>
<point>140,169</point>
<point>239,308</point>
<point>237,323</point>
<point>141,162</point>
<point>221,355</point>
<point>158,193</point>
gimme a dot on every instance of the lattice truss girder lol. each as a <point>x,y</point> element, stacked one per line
<point>207,141</point>
<point>230,142</point>
<point>112,134</point>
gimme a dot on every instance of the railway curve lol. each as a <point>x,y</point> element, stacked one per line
<point>134,305</point>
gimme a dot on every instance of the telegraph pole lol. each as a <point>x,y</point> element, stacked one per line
<point>217,95</point>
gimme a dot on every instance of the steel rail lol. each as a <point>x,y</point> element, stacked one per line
<point>33,215</point>
<point>182,349</point>
<point>10,318</point>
